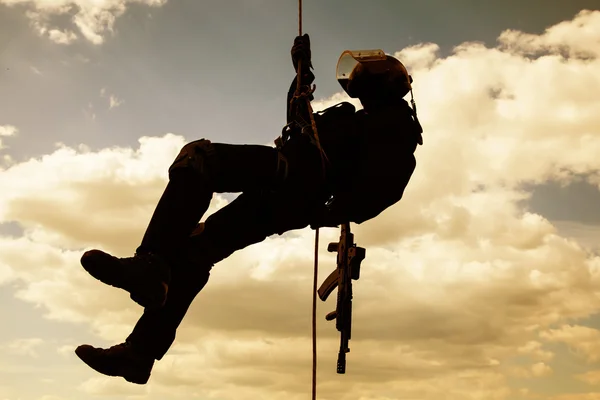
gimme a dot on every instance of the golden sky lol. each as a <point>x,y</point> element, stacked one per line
<point>465,293</point>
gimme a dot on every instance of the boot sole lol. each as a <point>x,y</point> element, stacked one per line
<point>146,290</point>
<point>125,373</point>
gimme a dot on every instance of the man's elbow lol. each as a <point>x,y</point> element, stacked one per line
<point>374,209</point>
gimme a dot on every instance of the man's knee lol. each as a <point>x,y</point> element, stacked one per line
<point>198,157</point>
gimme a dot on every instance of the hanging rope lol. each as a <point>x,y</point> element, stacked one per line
<point>314,318</point>
<point>299,17</point>
<point>305,94</point>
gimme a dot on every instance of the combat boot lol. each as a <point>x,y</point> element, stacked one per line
<point>120,360</point>
<point>145,276</point>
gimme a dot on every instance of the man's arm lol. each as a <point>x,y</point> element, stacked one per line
<point>301,55</point>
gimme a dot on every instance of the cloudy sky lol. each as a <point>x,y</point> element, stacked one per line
<point>482,284</point>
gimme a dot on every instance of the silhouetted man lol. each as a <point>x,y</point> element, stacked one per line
<point>369,159</point>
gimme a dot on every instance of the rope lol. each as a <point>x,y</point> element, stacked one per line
<point>299,17</point>
<point>299,92</point>
<point>314,318</point>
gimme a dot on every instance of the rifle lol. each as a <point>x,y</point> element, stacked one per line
<point>349,257</point>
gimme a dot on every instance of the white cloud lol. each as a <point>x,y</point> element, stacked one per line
<point>6,131</point>
<point>459,280</point>
<point>93,18</point>
<point>540,369</point>
<point>575,39</point>
<point>95,188</point>
<point>24,347</point>
<point>51,397</point>
<point>66,350</point>
<point>62,37</point>
<point>114,102</point>
<point>583,340</point>
<point>7,159</point>
<point>537,370</point>
<point>105,386</point>
<point>536,351</point>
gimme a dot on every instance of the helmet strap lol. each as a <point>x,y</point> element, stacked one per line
<point>414,113</point>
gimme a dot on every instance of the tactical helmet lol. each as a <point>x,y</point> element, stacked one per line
<point>372,72</point>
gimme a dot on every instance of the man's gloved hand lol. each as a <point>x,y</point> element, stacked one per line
<point>301,52</point>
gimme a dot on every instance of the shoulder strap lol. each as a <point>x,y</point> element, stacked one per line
<point>339,108</point>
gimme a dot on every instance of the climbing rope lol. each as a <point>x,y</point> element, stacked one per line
<point>314,318</point>
<point>305,94</point>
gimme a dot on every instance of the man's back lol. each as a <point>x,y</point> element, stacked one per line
<point>371,156</point>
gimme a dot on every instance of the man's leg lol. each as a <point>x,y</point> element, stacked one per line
<point>247,220</point>
<point>242,223</point>
<point>201,169</point>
